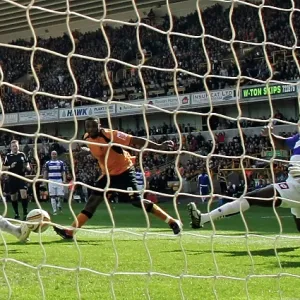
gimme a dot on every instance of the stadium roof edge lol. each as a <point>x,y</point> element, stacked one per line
<point>50,16</point>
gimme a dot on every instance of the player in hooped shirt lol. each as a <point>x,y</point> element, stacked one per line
<point>284,194</point>
<point>56,173</point>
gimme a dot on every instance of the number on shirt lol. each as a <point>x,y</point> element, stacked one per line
<point>284,186</point>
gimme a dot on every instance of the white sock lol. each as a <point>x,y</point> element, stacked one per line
<point>9,227</point>
<point>53,203</point>
<point>227,209</point>
<point>58,203</point>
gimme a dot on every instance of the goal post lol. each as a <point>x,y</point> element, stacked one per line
<point>209,77</point>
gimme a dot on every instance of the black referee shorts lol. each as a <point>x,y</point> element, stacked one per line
<point>125,181</point>
<point>15,184</point>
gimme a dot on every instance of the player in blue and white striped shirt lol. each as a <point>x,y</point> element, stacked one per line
<point>56,172</point>
<point>284,194</point>
<point>139,179</point>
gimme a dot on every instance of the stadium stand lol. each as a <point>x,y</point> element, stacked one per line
<point>161,168</point>
<point>54,75</point>
<point>55,78</point>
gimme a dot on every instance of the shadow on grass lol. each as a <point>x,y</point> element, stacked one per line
<point>185,250</point>
<point>290,264</point>
<point>221,233</point>
<point>81,242</point>
<point>58,241</point>
<point>12,251</point>
<point>259,220</point>
<point>234,253</point>
<point>262,252</point>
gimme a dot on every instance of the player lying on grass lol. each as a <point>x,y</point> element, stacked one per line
<point>121,173</point>
<point>285,194</point>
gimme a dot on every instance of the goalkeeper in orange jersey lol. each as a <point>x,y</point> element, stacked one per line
<point>120,171</point>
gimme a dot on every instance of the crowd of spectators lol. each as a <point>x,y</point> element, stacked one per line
<point>216,123</point>
<point>55,78</point>
<point>161,169</point>
<point>87,171</point>
<point>54,75</point>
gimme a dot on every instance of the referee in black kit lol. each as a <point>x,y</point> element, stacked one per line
<point>16,162</point>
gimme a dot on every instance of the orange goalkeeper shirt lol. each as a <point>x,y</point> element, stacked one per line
<point>117,163</point>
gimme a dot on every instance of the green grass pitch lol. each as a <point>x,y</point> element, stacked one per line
<point>196,265</point>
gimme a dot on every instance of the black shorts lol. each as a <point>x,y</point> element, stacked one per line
<point>125,181</point>
<point>15,184</point>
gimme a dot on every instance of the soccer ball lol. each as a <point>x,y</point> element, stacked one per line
<point>38,217</point>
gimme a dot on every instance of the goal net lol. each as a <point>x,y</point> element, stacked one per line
<point>206,75</point>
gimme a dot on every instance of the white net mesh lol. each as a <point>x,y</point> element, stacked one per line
<point>215,65</point>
